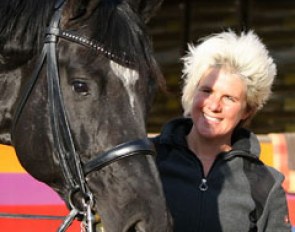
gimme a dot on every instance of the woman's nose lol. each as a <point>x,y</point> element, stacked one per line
<point>214,103</point>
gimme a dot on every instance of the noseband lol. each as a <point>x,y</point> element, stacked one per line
<point>74,170</point>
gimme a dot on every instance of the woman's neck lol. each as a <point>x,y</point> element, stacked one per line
<point>207,149</point>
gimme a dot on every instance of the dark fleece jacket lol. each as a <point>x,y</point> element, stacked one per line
<point>239,194</point>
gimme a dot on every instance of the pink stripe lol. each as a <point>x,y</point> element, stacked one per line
<point>22,189</point>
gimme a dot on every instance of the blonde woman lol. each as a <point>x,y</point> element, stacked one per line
<point>209,164</point>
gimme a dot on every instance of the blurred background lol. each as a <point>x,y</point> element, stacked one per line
<point>181,21</point>
<point>174,25</point>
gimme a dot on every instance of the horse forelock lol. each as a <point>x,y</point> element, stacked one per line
<point>22,24</point>
<point>122,33</point>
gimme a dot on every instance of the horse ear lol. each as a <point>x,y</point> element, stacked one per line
<point>146,8</point>
<point>78,8</point>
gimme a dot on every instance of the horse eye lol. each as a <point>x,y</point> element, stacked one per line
<point>80,87</point>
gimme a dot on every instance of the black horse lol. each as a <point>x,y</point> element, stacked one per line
<point>77,79</point>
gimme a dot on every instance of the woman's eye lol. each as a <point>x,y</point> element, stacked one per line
<point>205,90</point>
<point>230,98</point>
<point>80,87</point>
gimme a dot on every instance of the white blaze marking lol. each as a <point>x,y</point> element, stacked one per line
<point>128,77</point>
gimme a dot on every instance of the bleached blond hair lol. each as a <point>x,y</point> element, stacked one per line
<point>244,54</point>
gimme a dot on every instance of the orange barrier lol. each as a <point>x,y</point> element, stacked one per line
<point>277,150</point>
<point>35,224</point>
<point>24,203</point>
<point>9,162</point>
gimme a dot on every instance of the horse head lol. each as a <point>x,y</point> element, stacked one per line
<point>78,113</point>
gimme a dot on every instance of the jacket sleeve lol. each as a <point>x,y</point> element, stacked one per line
<point>275,215</point>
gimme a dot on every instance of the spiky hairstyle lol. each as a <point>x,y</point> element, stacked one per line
<point>244,54</point>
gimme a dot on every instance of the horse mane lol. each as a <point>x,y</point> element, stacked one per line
<point>113,23</point>
<point>23,24</point>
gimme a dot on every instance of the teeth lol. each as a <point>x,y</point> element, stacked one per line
<point>212,118</point>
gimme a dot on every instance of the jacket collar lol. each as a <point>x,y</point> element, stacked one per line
<point>175,131</point>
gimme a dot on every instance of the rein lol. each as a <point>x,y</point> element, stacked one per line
<point>73,169</point>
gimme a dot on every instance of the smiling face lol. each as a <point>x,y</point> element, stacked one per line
<point>219,104</point>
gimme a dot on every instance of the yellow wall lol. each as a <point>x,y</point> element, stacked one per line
<point>266,153</point>
<point>8,160</point>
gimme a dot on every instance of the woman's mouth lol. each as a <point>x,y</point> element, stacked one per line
<point>211,118</point>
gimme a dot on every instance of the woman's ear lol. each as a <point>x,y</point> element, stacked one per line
<point>250,112</point>
<point>247,117</point>
<point>145,8</point>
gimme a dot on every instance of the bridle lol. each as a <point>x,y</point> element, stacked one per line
<point>74,170</point>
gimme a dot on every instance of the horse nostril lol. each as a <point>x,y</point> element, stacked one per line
<point>137,227</point>
<point>131,229</point>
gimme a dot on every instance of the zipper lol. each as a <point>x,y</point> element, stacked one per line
<point>203,186</point>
